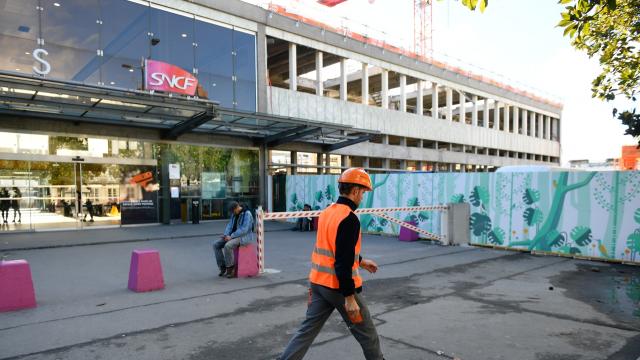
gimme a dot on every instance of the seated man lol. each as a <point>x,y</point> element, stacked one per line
<point>304,223</point>
<point>239,231</point>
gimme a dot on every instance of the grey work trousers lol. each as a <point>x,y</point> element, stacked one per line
<point>224,252</point>
<point>323,301</point>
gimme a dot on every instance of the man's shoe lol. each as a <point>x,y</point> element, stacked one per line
<point>229,274</point>
<point>222,272</point>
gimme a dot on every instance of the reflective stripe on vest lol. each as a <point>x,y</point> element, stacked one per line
<point>323,256</point>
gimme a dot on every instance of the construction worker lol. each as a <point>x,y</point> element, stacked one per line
<point>334,277</point>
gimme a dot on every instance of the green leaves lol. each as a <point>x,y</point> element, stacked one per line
<point>496,236</point>
<point>532,216</point>
<point>636,215</point>
<point>473,4</point>
<point>633,242</point>
<point>581,235</point>
<point>531,196</point>
<point>457,198</point>
<point>480,224</point>
<point>413,202</point>
<point>330,192</point>
<point>554,239</point>
<point>479,196</point>
<point>319,196</point>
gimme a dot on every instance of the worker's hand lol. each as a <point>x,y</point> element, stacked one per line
<point>227,238</point>
<point>369,265</point>
<point>351,305</point>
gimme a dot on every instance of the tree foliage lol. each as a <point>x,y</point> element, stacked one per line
<point>610,31</point>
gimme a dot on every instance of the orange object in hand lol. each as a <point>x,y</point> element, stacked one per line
<point>355,319</point>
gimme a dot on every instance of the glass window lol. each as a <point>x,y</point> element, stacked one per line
<point>173,38</point>
<point>124,41</point>
<point>18,34</point>
<point>245,70</point>
<point>214,61</point>
<point>71,36</point>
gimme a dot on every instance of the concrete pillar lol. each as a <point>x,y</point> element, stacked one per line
<point>420,143</point>
<point>485,114</point>
<point>403,93</point>
<point>294,161</point>
<point>319,67</point>
<point>420,99</point>
<point>365,83</point>
<point>434,101</point>
<point>496,115</point>
<point>386,163</point>
<point>261,67</point>
<point>345,161</point>
<point>293,67</point>
<point>403,141</point>
<point>450,167</point>
<point>516,120</point>
<point>403,164</point>
<point>507,127</point>
<point>547,127</point>
<point>532,119</point>
<point>385,139</point>
<point>474,111</point>
<point>327,162</point>
<point>385,88</point>
<point>539,125</point>
<point>365,163</point>
<point>486,151</point>
<point>449,104</point>
<point>343,79</point>
<point>462,109</point>
<point>525,122</point>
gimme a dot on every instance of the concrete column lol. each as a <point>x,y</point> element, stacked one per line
<point>327,162</point>
<point>474,111</point>
<point>419,100</point>
<point>418,165</point>
<point>547,127</point>
<point>462,109</point>
<point>532,119</point>
<point>386,163</point>
<point>365,162</point>
<point>343,79</point>
<point>403,93</point>
<point>485,114</point>
<point>385,88</point>
<point>403,141</point>
<point>496,116</point>
<point>449,104</point>
<point>486,151</point>
<point>319,67</point>
<point>516,120</point>
<point>420,143</point>
<point>365,83</point>
<point>507,122</point>
<point>385,139</point>
<point>345,161</point>
<point>403,164</point>
<point>261,67</point>
<point>434,101</point>
<point>539,125</point>
<point>165,189</point>
<point>293,67</point>
<point>294,161</point>
<point>525,122</point>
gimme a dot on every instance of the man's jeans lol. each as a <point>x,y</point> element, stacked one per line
<point>224,252</point>
<point>323,301</point>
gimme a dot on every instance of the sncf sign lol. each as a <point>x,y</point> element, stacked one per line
<point>169,78</point>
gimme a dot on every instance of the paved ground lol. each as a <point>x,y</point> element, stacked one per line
<point>429,301</point>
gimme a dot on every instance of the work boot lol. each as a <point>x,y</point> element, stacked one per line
<point>229,272</point>
<point>223,270</point>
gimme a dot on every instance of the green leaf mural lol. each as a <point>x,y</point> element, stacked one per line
<point>533,216</point>
<point>531,196</point>
<point>581,235</point>
<point>457,198</point>
<point>480,224</point>
<point>633,243</point>
<point>319,196</point>
<point>423,216</point>
<point>636,215</point>
<point>479,196</point>
<point>496,236</point>
<point>554,239</point>
<point>294,198</point>
<point>330,193</point>
<point>413,202</point>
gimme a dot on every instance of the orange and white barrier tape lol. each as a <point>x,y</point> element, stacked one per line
<point>381,212</point>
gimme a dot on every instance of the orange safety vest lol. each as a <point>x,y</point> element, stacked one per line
<point>323,258</point>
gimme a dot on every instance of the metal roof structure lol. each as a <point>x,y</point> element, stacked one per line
<point>27,96</point>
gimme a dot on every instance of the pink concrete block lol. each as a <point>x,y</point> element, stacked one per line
<point>408,235</point>
<point>247,260</point>
<point>145,272</point>
<point>16,286</point>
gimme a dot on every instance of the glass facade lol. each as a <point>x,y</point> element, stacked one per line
<point>104,42</point>
<point>49,182</point>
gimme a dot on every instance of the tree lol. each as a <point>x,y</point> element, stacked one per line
<point>610,30</point>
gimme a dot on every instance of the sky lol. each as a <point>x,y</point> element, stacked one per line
<point>519,40</point>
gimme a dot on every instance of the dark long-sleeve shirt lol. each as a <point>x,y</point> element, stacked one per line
<point>346,240</point>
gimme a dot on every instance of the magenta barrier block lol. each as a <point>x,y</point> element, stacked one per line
<point>16,286</point>
<point>408,235</point>
<point>246,260</point>
<point>145,272</point>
